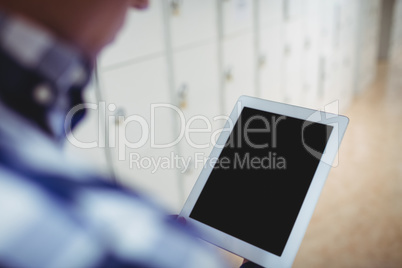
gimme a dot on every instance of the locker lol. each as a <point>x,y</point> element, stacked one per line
<point>271,63</point>
<point>197,89</point>
<point>270,13</point>
<point>133,90</point>
<point>292,68</point>
<point>368,42</point>
<point>192,21</point>
<point>328,52</point>
<point>237,16</point>
<point>292,9</point>
<point>349,40</point>
<point>310,53</point>
<point>238,72</point>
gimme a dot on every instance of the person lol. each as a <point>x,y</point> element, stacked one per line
<point>54,211</point>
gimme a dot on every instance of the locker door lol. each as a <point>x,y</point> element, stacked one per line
<point>292,69</point>
<point>349,37</point>
<point>192,21</point>
<point>334,93</point>
<point>368,41</point>
<point>270,12</point>
<point>197,85</point>
<point>238,64</point>
<point>142,35</point>
<point>310,53</point>
<point>132,91</point>
<point>237,16</point>
<point>270,63</point>
<point>326,42</point>
<point>292,9</point>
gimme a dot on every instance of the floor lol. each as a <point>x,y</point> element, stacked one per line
<point>358,219</point>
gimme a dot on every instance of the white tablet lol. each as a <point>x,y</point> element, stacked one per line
<point>256,194</point>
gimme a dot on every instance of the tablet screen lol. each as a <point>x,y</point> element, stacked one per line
<point>258,183</point>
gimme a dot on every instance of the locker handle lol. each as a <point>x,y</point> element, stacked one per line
<point>175,6</point>
<point>262,61</point>
<point>287,50</point>
<point>183,96</point>
<point>229,74</point>
<point>120,114</point>
<point>307,44</point>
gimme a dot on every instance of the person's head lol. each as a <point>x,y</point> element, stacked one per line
<point>88,24</point>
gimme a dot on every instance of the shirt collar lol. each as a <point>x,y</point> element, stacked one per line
<point>35,48</point>
<point>42,77</point>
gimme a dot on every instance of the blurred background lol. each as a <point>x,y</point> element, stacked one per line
<point>340,55</point>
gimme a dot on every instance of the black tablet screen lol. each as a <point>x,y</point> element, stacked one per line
<point>258,184</point>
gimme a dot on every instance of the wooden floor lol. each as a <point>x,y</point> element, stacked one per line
<point>358,219</point>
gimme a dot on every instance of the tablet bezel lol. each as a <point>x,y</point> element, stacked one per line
<point>243,248</point>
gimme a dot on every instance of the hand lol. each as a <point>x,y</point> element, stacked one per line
<point>180,220</point>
